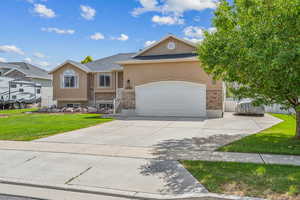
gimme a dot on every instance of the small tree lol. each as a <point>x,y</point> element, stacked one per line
<point>257,46</point>
<point>87,60</point>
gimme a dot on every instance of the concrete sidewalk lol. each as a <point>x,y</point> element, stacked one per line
<point>148,153</point>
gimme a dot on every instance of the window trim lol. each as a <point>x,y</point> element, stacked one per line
<point>110,80</point>
<point>76,79</point>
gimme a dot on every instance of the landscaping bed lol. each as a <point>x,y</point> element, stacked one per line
<point>247,179</point>
<point>20,126</point>
<point>278,139</point>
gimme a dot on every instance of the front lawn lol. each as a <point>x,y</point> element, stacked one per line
<point>26,127</point>
<point>278,139</point>
<point>17,111</point>
<point>246,179</point>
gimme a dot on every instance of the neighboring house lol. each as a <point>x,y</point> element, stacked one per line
<point>26,72</point>
<point>28,83</point>
<point>164,79</point>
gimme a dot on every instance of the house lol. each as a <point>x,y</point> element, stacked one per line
<point>25,72</point>
<point>164,79</point>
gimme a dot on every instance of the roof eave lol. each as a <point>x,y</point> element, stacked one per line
<point>160,41</point>
<point>193,59</point>
<point>68,62</point>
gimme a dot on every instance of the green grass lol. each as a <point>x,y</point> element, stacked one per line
<point>26,127</point>
<point>247,179</point>
<point>17,111</point>
<point>278,139</point>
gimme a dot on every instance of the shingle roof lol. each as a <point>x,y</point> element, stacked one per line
<point>109,63</point>
<point>78,64</point>
<point>28,69</point>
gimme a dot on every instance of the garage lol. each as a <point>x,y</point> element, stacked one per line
<point>171,98</point>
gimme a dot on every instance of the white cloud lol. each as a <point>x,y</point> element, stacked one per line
<point>195,34</point>
<point>11,49</point>
<point>43,11</point>
<point>167,20</point>
<point>147,5</point>
<point>97,36</point>
<point>39,55</point>
<point>177,7</point>
<point>193,31</point>
<point>194,40</point>
<point>2,59</point>
<point>37,62</point>
<point>149,43</point>
<point>212,29</point>
<point>42,63</point>
<point>122,37</point>
<point>58,31</point>
<point>28,60</point>
<point>87,12</point>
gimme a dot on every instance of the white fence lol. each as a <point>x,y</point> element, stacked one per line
<point>47,97</point>
<point>230,106</point>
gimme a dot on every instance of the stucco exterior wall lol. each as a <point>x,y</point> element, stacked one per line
<point>140,74</point>
<point>107,96</point>
<point>70,94</point>
<point>161,49</point>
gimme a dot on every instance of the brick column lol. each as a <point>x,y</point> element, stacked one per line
<point>214,100</point>
<point>128,99</point>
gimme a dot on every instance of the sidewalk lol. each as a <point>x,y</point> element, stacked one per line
<point>148,153</point>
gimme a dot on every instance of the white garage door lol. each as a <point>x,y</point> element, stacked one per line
<point>171,98</point>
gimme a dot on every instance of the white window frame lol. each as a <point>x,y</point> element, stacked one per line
<point>110,80</point>
<point>69,73</point>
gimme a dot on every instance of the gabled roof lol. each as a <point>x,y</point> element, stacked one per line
<point>109,63</point>
<point>106,64</point>
<point>163,39</point>
<point>74,63</point>
<point>29,70</point>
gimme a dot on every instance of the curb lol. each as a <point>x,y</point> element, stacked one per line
<point>127,194</point>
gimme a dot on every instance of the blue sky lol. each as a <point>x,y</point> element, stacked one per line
<point>48,32</point>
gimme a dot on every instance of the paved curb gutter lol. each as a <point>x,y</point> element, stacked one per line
<point>126,194</point>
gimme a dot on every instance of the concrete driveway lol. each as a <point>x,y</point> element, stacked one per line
<point>182,133</point>
<point>131,157</point>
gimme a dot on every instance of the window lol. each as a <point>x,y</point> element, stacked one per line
<point>14,97</point>
<point>21,90</point>
<point>13,86</point>
<point>70,79</point>
<point>104,80</point>
<point>38,91</point>
<point>73,105</point>
<point>104,106</point>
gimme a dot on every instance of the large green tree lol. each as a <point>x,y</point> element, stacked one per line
<point>87,60</point>
<point>257,46</point>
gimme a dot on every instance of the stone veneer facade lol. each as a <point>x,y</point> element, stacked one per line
<point>128,99</point>
<point>214,100</point>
